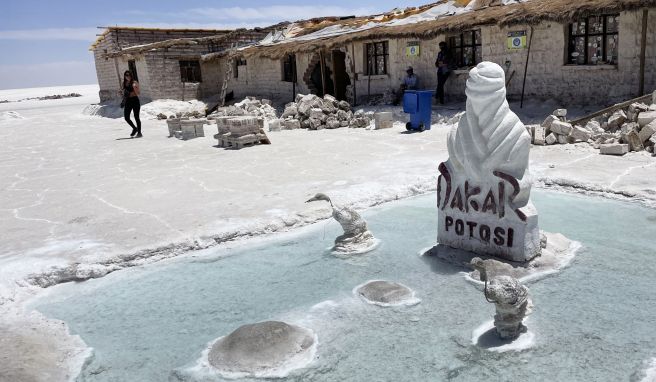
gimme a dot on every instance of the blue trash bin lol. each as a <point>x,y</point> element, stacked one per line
<point>418,103</point>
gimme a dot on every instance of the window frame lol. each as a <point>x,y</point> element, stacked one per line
<point>572,37</point>
<point>193,67</point>
<point>476,46</point>
<point>288,67</point>
<point>371,61</point>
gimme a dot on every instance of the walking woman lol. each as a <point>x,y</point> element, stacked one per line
<point>131,102</point>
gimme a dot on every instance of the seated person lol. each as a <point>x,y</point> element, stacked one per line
<point>410,82</point>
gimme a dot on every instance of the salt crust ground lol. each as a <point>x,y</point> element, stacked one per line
<point>649,374</point>
<point>75,191</point>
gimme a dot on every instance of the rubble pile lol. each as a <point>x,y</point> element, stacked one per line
<point>185,115</point>
<point>249,106</point>
<point>629,129</point>
<point>316,113</point>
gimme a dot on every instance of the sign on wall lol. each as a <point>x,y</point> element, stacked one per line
<point>517,40</point>
<point>412,49</point>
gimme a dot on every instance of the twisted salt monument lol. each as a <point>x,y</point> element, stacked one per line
<point>356,238</point>
<point>483,190</point>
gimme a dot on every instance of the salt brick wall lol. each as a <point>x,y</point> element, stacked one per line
<point>548,76</point>
<point>262,77</point>
<point>106,70</point>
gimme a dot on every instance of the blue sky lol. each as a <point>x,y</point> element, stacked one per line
<point>45,43</point>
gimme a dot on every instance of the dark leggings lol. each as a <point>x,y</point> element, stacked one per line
<point>441,80</point>
<point>132,104</point>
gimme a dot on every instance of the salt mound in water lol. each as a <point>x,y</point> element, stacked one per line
<point>264,349</point>
<point>386,293</point>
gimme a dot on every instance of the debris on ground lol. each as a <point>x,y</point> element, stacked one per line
<point>630,126</point>
<point>249,106</point>
<point>315,113</point>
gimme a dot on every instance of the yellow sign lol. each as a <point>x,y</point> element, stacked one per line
<point>412,49</point>
<point>517,40</point>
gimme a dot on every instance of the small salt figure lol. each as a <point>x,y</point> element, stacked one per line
<point>512,304</point>
<point>357,237</point>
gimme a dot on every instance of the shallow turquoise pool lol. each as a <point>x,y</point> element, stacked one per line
<point>595,321</point>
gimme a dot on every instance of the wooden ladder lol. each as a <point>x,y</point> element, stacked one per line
<point>226,76</point>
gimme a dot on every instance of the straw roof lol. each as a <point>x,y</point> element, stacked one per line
<point>109,29</point>
<point>225,38</point>
<point>486,12</point>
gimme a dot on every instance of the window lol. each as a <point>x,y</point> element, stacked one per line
<point>190,71</point>
<point>289,68</point>
<point>376,55</point>
<point>238,62</point>
<point>465,48</point>
<point>593,40</point>
<point>133,69</point>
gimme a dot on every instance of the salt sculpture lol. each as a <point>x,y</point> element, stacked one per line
<point>356,238</point>
<point>512,303</point>
<point>484,187</point>
<point>264,349</point>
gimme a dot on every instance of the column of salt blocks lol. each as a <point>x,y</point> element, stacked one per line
<point>223,130</point>
<point>174,126</point>
<point>192,128</point>
<point>244,130</point>
<point>384,120</point>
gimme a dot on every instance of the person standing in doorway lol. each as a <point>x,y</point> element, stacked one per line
<point>443,71</point>
<point>131,102</point>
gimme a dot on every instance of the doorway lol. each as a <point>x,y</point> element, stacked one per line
<point>340,78</point>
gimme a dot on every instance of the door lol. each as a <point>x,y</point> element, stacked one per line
<point>340,77</point>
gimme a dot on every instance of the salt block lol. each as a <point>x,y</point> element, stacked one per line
<point>548,121</point>
<point>560,127</point>
<point>617,119</point>
<point>551,139</point>
<point>483,195</point>
<point>200,130</point>
<point>317,113</point>
<point>646,117</point>
<point>647,131</point>
<point>635,144</point>
<point>173,125</point>
<point>614,149</point>
<point>188,128</point>
<point>538,135</point>
<point>580,134</point>
<point>384,120</point>
<point>562,139</point>
<point>560,113</point>
<point>292,124</point>
<point>274,125</point>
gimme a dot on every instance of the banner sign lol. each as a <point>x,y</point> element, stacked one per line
<point>517,40</point>
<point>412,49</point>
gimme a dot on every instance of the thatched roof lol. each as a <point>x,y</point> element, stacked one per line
<point>109,29</point>
<point>530,12</point>
<point>225,39</point>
